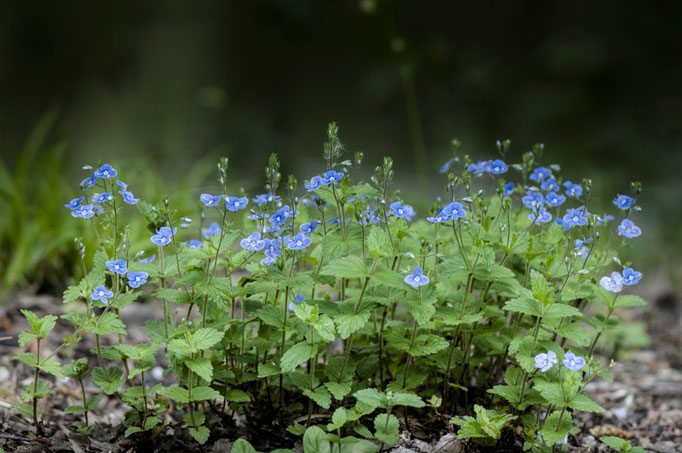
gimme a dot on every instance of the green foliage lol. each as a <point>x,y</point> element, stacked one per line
<point>330,319</point>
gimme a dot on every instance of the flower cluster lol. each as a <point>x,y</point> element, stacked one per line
<point>545,361</point>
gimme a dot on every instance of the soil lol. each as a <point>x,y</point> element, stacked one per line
<point>643,403</point>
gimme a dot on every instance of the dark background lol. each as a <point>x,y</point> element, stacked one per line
<point>599,83</point>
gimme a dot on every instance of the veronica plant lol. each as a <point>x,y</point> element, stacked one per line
<point>337,299</point>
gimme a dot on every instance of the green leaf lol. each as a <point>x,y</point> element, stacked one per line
<point>386,428</point>
<point>237,396</point>
<point>372,398</point>
<point>338,418</point>
<point>378,243</point>
<point>348,323</point>
<point>296,355</point>
<point>176,393</point>
<point>51,366</point>
<point>200,434</point>
<point>92,402</point>
<point>346,267</point>
<point>542,292</point>
<point>109,383</point>
<point>355,445</point>
<point>199,418</point>
<point>177,296</point>
<point>584,403</point>
<point>206,337</point>
<point>202,367</point>
<point>406,399</point>
<point>315,441</point>
<point>552,392</point>
<point>421,312</point>
<point>243,446</point>
<point>524,304</point>
<point>74,409</point>
<point>204,393</point>
<point>46,325</point>
<point>554,430</point>
<point>629,301</point>
<point>320,395</point>
<point>266,370</point>
<point>25,409</point>
<point>324,326</point>
<point>32,319</point>
<point>109,323</point>
<point>576,333</point>
<point>511,393</point>
<point>180,348</point>
<point>558,310</point>
<point>428,344</point>
<point>270,315</point>
<point>25,337</point>
<point>27,358</point>
<point>384,276</point>
<point>338,390</point>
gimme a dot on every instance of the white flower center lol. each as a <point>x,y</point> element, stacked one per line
<point>400,211</point>
<point>416,278</point>
<point>299,242</point>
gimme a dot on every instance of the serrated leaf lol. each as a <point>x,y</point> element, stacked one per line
<point>629,300</point>
<point>524,304</point>
<point>386,428</point>
<point>320,395</point>
<point>348,323</point>
<point>51,366</point>
<point>206,337</point>
<point>378,243</point>
<point>296,355</point>
<point>74,409</point>
<point>315,441</point>
<point>204,393</point>
<point>242,446</point>
<point>109,383</point>
<point>25,337</point>
<point>511,393</point>
<point>32,319</point>
<point>237,396</point>
<point>371,397</point>
<point>338,390</point>
<point>346,267</point>
<point>200,434</point>
<point>202,367</point>
<point>339,417</point>
<point>384,276</point>
<point>266,370</point>
<point>27,358</point>
<point>324,326</point>
<point>552,392</point>
<point>584,403</point>
<point>558,310</point>
<point>428,344</point>
<point>176,393</point>
<point>576,333</point>
<point>199,418</point>
<point>421,312</point>
<point>555,430</point>
<point>407,399</point>
<point>109,323</point>
<point>92,402</point>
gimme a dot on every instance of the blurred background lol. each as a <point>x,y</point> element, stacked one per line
<point>162,89</point>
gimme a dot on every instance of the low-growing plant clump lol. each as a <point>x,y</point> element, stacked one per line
<point>332,311</point>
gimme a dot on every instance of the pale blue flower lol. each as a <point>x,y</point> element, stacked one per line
<point>454,210</point>
<point>508,189</point>
<point>298,242</point>
<point>212,230</point>
<point>540,215</point>
<point>628,229</point>
<point>102,197</point>
<point>128,197</point>
<point>623,201</point>
<point>416,278</point>
<point>118,266</point>
<point>573,362</point>
<point>545,361</point>
<point>210,200</point>
<point>137,279</point>
<point>540,173</point>
<point>106,171</point>
<point>614,283</point>
<point>532,199</point>
<point>253,242</point>
<point>332,177</point>
<point>496,167</point>
<point>553,199</point>
<point>75,203</point>
<point>314,184</point>
<point>102,294</point>
<point>84,211</point>
<point>573,190</point>
<point>236,203</point>
<point>630,276</point>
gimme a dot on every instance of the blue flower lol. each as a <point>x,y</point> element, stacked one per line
<point>75,203</point>
<point>98,209</point>
<point>540,173</point>
<point>88,182</point>
<point>268,260</point>
<point>614,283</point>
<point>628,229</point>
<point>630,276</point>
<point>369,216</point>
<point>118,266</point>
<point>573,190</point>
<point>121,184</point>
<point>299,299</point>
<point>416,278</point>
<point>213,229</point>
<point>194,243</point>
<point>508,189</point>
<point>478,168</point>
<point>599,221</point>
<point>533,199</point>
<point>263,198</point>
<point>235,203</point>
<point>102,197</point>
<point>454,210</point>
<point>623,201</point>
<point>446,165</point>
<point>102,294</point>
<point>128,197</point>
<point>273,247</point>
<point>580,248</point>
<point>545,361</point>
<point>401,211</point>
<point>309,228</point>
<point>496,167</point>
<point>313,200</point>
<point>554,199</point>
<point>550,185</point>
<point>84,211</point>
<point>278,218</point>
<point>574,217</point>
<point>439,218</point>
<point>540,215</point>
<point>106,171</point>
<point>573,362</point>
<point>148,259</point>
<point>331,177</point>
<point>136,279</point>
<point>253,242</point>
<point>298,242</point>
<point>314,184</point>
<point>210,200</point>
<point>163,236</point>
